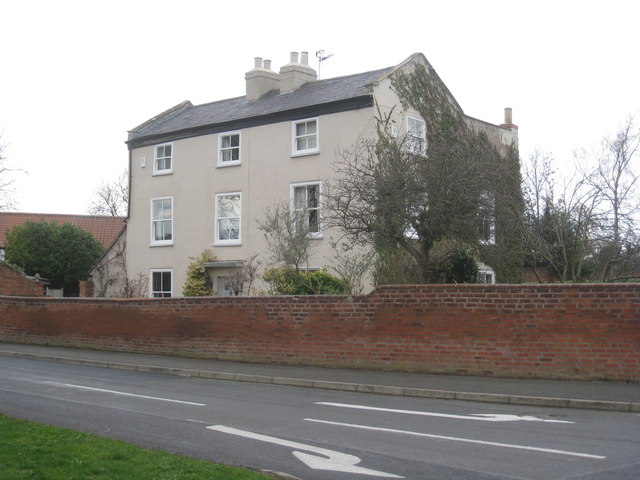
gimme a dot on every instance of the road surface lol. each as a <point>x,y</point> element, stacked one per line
<point>313,434</point>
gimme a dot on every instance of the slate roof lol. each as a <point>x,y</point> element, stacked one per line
<point>105,229</point>
<point>189,117</point>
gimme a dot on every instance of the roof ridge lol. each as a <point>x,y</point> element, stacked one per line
<point>36,214</point>
<point>314,82</point>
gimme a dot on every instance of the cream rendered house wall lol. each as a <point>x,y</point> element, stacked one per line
<point>265,175</point>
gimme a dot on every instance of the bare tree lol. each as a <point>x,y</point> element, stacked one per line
<point>616,179</point>
<point>6,180</point>
<point>288,233</point>
<point>573,230</point>
<point>112,198</point>
<point>352,266</point>
<point>590,231</point>
<point>136,287</point>
<point>561,234</point>
<point>242,278</point>
<point>538,182</point>
<point>111,277</point>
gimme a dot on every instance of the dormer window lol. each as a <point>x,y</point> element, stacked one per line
<point>305,137</point>
<point>163,160</point>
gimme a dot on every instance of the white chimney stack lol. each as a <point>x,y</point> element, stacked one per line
<point>295,74</point>
<point>508,115</point>
<point>261,79</point>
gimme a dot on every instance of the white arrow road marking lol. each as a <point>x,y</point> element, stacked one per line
<point>115,392</point>
<point>485,417</point>
<point>456,439</point>
<point>335,461</point>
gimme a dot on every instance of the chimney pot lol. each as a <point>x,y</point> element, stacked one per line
<point>294,57</point>
<point>267,64</point>
<point>258,62</point>
<point>305,58</point>
<point>508,116</point>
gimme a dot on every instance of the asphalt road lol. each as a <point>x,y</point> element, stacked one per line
<point>314,434</point>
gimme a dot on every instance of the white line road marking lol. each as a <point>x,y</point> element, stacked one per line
<point>335,461</point>
<point>115,392</point>
<point>485,417</point>
<point>456,439</point>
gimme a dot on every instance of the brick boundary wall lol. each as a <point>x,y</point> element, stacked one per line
<point>576,331</point>
<point>13,282</point>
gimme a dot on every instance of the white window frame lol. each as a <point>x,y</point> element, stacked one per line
<point>217,240</point>
<point>156,159</point>
<point>152,292</point>
<point>294,137</point>
<point>221,149</point>
<point>154,241</point>
<point>295,209</point>
<point>417,143</point>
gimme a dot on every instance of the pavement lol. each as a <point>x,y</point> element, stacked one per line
<point>614,396</point>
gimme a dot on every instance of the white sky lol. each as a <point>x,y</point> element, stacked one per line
<point>76,75</point>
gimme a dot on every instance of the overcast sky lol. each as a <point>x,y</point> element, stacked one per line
<point>77,75</point>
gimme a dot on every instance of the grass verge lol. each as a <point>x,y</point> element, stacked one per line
<point>33,451</point>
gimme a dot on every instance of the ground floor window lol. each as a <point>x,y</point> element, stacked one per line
<point>161,283</point>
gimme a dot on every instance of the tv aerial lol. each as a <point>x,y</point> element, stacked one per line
<point>321,56</point>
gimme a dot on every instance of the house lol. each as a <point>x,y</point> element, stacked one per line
<point>202,175</point>
<point>104,229</point>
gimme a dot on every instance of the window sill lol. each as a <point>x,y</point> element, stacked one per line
<point>227,244</point>
<point>161,244</point>
<point>305,153</point>
<point>228,164</point>
<point>161,173</point>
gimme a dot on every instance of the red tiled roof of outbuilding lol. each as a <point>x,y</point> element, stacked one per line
<point>104,229</point>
